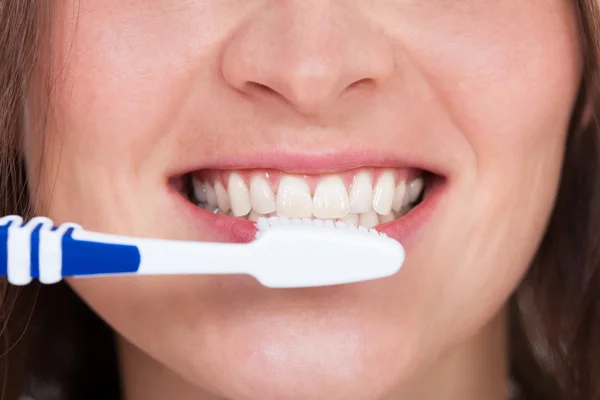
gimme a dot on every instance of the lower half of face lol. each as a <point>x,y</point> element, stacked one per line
<point>448,140</point>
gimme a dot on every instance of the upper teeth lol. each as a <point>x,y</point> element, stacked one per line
<point>362,203</point>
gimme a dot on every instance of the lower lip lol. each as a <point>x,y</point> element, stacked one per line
<point>235,230</point>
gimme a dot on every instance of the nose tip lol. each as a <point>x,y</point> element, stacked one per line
<point>306,59</point>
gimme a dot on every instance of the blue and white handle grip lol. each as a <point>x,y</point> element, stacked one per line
<point>40,250</point>
<point>287,253</point>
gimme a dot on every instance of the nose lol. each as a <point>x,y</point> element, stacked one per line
<point>309,54</point>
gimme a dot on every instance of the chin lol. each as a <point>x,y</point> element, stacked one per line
<point>309,354</point>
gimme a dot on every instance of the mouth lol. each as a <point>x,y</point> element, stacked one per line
<point>396,201</point>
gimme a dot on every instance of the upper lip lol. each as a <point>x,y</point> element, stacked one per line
<point>313,163</point>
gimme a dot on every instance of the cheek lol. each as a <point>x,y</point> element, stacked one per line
<point>511,91</point>
<point>510,94</point>
<point>122,73</point>
<point>117,88</point>
<point>507,76</point>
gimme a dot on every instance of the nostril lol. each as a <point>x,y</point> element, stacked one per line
<point>366,82</point>
<point>255,88</point>
<point>315,95</point>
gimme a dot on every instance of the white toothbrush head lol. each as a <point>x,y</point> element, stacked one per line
<point>307,253</point>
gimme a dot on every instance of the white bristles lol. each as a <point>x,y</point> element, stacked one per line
<point>265,224</point>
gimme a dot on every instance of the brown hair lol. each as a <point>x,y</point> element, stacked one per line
<point>60,350</point>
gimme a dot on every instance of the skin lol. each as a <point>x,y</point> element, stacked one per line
<point>144,90</point>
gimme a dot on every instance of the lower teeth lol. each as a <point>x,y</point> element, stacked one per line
<point>367,220</point>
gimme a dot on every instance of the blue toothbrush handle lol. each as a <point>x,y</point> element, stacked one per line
<point>37,249</point>
<point>84,258</point>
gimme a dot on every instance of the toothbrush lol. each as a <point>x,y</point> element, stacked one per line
<point>287,253</point>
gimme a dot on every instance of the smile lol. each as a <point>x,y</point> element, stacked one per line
<point>227,196</point>
<point>365,197</point>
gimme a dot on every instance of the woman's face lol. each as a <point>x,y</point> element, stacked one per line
<point>330,99</point>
